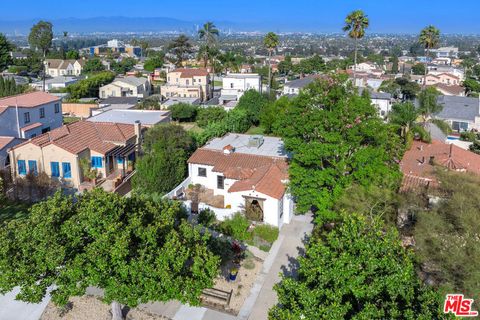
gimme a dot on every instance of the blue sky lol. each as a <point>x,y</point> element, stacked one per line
<point>401,16</point>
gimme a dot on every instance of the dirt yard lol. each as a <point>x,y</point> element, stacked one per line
<point>89,308</point>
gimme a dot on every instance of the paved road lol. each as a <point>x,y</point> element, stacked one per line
<point>11,309</point>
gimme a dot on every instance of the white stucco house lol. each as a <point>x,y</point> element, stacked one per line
<point>130,86</point>
<point>235,85</point>
<point>30,114</point>
<point>240,171</point>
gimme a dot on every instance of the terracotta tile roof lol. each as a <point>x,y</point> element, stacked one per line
<point>416,162</point>
<point>31,126</point>
<point>78,136</point>
<point>4,141</point>
<point>28,100</point>
<point>453,89</point>
<point>253,172</point>
<point>192,72</point>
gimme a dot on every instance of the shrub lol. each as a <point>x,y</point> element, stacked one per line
<point>209,115</point>
<point>266,232</point>
<point>183,112</point>
<point>206,217</point>
<point>236,227</point>
<point>443,126</point>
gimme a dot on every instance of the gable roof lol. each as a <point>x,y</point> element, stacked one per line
<point>131,80</point>
<point>461,108</point>
<point>416,163</point>
<point>253,172</point>
<point>191,72</point>
<point>81,135</point>
<point>5,141</point>
<point>452,89</point>
<point>28,100</point>
<point>300,83</point>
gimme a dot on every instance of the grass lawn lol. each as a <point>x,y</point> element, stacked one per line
<point>13,211</point>
<point>68,120</point>
<point>191,126</point>
<point>255,130</point>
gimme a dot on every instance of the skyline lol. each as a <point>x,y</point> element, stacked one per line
<point>279,16</point>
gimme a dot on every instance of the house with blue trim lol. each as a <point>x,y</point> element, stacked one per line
<point>72,152</point>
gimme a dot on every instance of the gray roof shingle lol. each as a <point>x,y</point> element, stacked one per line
<point>459,108</point>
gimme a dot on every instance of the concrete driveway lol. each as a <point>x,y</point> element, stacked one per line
<point>11,309</point>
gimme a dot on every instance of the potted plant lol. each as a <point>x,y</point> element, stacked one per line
<point>233,274</point>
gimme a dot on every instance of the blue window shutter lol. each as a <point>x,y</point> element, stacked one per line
<point>97,162</point>
<point>22,168</point>
<point>32,166</point>
<point>55,169</point>
<point>67,170</point>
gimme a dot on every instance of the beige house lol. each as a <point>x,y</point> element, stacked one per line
<point>433,79</point>
<point>187,83</point>
<point>59,67</point>
<point>126,87</point>
<point>109,148</point>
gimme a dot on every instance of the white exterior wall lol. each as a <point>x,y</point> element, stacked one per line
<point>236,86</point>
<point>384,106</point>
<point>8,119</point>
<point>271,206</point>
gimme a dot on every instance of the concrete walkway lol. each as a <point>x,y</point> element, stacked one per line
<point>281,259</point>
<point>11,309</point>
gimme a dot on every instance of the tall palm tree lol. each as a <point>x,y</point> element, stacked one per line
<point>429,37</point>
<point>355,24</point>
<point>270,42</point>
<point>180,47</point>
<point>209,34</point>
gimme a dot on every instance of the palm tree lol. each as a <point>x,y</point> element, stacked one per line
<point>405,115</point>
<point>231,61</point>
<point>180,47</point>
<point>356,23</point>
<point>271,43</point>
<point>65,34</point>
<point>209,34</point>
<point>429,37</point>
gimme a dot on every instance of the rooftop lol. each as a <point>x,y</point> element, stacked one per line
<point>191,72</point>
<point>418,163</point>
<point>4,141</point>
<point>460,108</point>
<point>146,117</point>
<point>271,146</point>
<point>300,83</point>
<point>81,135</point>
<point>242,75</point>
<point>132,80</point>
<point>28,100</point>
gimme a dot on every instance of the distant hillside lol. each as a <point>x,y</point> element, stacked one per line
<point>107,24</point>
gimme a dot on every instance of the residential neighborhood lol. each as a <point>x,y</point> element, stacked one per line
<point>208,161</point>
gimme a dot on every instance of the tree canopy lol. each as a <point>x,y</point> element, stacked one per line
<point>164,163</point>
<point>93,65</point>
<point>136,249</point>
<point>356,271</point>
<point>253,102</point>
<point>336,138</point>
<point>5,48</point>
<point>41,36</point>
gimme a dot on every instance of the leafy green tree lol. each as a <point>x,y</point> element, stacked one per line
<point>356,271</point>
<point>269,115</point>
<point>253,102</point>
<point>237,120</point>
<point>72,54</point>
<point>270,42</point>
<point>428,104</point>
<point>93,65</point>
<point>41,36</point>
<point>183,112</point>
<point>394,61</point>
<point>123,66</point>
<point>5,48</point>
<point>163,166</point>
<point>429,37</point>
<point>285,67</point>
<point>8,87</point>
<point>89,87</point>
<point>471,86</point>
<point>231,61</point>
<point>315,64</point>
<point>153,63</point>
<point>136,249</point>
<point>355,24</point>
<point>405,115</point>
<point>418,69</point>
<point>336,138</point>
<point>180,47</point>
<point>210,115</point>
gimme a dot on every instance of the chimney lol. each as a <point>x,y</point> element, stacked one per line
<point>228,149</point>
<point>138,133</point>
